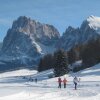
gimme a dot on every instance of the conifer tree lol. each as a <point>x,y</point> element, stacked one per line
<point>61,63</point>
<point>71,56</point>
<point>40,68</point>
<point>46,63</point>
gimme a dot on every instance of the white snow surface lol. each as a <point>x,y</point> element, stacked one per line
<point>15,85</point>
<point>41,48</point>
<point>94,22</point>
<point>47,49</point>
<point>21,72</point>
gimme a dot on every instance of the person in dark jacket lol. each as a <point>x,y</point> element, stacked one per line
<point>59,82</point>
<point>75,80</point>
<point>35,80</point>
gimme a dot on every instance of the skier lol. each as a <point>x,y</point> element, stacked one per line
<point>35,80</point>
<point>75,80</point>
<point>59,82</point>
<point>64,82</point>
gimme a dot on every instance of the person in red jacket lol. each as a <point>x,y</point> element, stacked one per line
<point>59,82</point>
<point>64,82</point>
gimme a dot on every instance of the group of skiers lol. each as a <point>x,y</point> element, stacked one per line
<point>60,82</point>
<point>64,81</point>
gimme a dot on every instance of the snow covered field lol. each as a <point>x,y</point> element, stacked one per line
<point>15,85</point>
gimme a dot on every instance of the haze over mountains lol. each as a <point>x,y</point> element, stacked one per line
<point>28,40</point>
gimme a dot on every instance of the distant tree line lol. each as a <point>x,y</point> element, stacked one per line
<point>58,61</point>
<point>46,62</point>
<point>89,54</point>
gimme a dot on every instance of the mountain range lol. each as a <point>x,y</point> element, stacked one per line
<point>28,40</point>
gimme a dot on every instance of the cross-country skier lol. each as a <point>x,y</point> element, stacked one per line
<point>75,80</point>
<point>35,80</point>
<point>64,82</point>
<point>59,82</point>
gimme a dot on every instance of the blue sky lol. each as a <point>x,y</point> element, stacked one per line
<point>60,13</point>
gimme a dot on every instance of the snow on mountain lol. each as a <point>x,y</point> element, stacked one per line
<point>47,49</point>
<point>26,41</point>
<point>89,30</point>
<point>15,87</point>
<point>94,22</point>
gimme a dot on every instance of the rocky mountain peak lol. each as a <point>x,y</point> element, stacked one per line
<point>21,22</point>
<point>70,28</point>
<point>89,30</point>
<point>27,40</point>
<point>92,22</point>
<point>38,31</point>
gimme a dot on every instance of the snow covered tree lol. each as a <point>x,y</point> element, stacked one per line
<point>60,63</point>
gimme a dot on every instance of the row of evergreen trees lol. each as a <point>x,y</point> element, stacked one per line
<point>58,61</point>
<point>46,62</point>
<point>91,53</point>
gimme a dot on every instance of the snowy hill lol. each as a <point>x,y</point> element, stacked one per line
<point>16,85</point>
<point>91,74</point>
<point>21,72</point>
